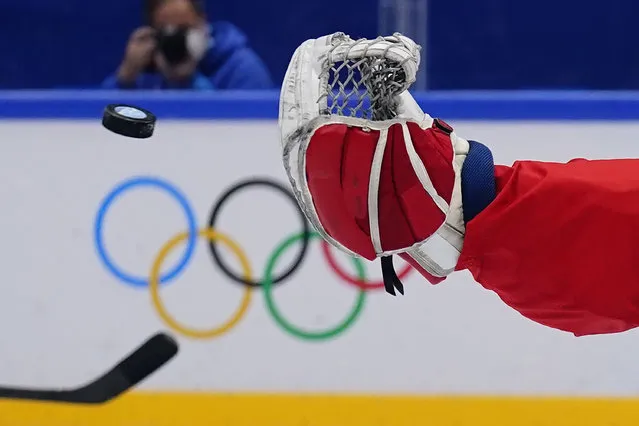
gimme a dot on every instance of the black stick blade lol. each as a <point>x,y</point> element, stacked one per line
<point>148,358</point>
<point>140,364</point>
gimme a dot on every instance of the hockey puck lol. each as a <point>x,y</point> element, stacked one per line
<point>130,121</point>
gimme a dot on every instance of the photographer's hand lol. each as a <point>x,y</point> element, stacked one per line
<point>176,74</point>
<point>139,53</point>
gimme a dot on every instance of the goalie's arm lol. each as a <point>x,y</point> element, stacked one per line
<point>559,243</point>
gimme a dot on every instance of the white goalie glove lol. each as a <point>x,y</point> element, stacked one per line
<point>373,173</point>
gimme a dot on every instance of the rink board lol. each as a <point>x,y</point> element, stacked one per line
<point>460,339</point>
<point>323,410</point>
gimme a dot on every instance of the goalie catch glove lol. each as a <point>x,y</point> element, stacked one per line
<point>377,177</point>
<point>374,174</point>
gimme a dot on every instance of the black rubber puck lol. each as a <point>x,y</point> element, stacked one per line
<point>127,120</point>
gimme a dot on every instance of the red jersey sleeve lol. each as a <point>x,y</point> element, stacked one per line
<point>560,244</point>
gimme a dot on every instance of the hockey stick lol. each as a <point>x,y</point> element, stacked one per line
<point>140,364</point>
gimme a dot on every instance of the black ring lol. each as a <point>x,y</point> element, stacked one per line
<point>305,226</point>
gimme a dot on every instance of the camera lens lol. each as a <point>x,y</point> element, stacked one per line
<point>172,44</point>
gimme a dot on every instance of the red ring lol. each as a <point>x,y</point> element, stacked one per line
<point>375,285</point>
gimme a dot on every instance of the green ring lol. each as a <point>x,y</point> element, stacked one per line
<point>267,287</point>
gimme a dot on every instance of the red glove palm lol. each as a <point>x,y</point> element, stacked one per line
<point>382,191</point>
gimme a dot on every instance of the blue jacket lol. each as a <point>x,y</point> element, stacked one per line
<point>228,64</point>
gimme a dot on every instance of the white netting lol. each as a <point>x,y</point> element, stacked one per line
<point>364,77</point>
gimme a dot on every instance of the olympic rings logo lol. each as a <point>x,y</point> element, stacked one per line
<point>215,238</point>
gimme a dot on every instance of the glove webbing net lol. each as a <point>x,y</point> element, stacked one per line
<point>363,86</point>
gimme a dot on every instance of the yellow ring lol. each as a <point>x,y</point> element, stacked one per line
<point>154,286</point>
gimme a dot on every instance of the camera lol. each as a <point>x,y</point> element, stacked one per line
<point>172,43</point>
<point>177,44</point>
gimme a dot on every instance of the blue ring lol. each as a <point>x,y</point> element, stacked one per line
<point>108,202</point>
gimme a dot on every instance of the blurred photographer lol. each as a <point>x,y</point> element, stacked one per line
<point>179,49</point>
